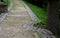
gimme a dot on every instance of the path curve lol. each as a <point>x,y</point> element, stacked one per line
<point>16,23</point>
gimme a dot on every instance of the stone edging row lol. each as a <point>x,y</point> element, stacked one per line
<point>32,15</point>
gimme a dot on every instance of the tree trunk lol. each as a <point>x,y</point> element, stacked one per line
<point>53,17</point>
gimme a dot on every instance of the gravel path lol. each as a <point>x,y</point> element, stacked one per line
<point>16,23</point>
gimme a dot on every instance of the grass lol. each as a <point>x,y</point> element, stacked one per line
<point>41,13</point>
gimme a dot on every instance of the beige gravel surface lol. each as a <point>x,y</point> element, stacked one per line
<point>12,25</point>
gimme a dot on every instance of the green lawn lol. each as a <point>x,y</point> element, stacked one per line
<point>41,13</point>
